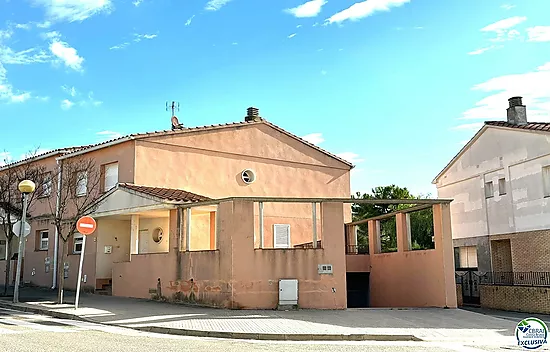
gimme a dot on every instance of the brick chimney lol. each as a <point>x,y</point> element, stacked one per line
<point>252,114</point>
<point>517,112</point>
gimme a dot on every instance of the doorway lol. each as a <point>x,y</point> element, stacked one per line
<point>357,285</point>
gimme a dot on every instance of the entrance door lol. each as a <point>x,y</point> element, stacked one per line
<point>358,289</point>
<point>470,281</point>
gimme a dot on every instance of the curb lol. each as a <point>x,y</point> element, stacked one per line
<point>217,334</point>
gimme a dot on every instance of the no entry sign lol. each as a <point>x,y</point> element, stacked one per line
<point>86,225</point>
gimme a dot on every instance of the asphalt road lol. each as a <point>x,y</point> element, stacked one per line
<point>23,332</point>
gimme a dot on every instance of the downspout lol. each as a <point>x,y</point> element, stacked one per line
<point>56,238</point>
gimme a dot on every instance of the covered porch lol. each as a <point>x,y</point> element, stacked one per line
<point>137,221</point>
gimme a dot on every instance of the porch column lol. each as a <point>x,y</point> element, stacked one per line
<point>403,230</point>
<point>187,229</point>
<point>444,245</point>
<point>134,235</point>
<point>314,216</point>
<point>212,230</point>
<point>374,237</point>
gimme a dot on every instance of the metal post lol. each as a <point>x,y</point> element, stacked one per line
<point>314,215</point>
<point>80,272</point>
<point>20,253</point>
<point>261,223</point>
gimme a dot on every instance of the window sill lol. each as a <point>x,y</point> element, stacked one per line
<point>40,250</point>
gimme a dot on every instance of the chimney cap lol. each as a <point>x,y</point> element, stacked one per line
<point>515,101</point>
<point>252,114</point>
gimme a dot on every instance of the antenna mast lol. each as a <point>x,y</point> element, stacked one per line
<point>173,107</point>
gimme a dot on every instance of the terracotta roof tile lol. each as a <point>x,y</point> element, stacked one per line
<point>210,127</point>
<point>533,126</point>
<point>177,195</point>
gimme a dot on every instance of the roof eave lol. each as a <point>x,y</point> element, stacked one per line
<point>459,154</point>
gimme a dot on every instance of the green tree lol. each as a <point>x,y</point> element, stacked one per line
<point>421,221</point>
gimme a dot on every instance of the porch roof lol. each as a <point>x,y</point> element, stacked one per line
<point>171,194</point>
<point>128,198</point>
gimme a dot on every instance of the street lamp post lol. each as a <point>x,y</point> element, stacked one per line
<point>25,187</point>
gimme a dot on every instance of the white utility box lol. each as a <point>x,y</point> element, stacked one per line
<point>288,292</point>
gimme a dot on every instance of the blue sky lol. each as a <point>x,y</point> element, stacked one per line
<point>395,86</point>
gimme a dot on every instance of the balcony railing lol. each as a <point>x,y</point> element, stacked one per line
<point>356,249</point>
<point>308,245</point>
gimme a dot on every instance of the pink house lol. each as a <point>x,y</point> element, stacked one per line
<point>242,215</point>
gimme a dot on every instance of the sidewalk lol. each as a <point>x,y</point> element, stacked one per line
<point>437,325</point>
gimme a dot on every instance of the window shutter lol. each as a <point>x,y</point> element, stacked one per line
<point>111,176</point>
<point>281,236</point>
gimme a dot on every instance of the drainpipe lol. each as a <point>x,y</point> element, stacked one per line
<point>56,238</point>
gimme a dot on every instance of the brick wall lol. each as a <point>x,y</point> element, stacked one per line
<point>459,300</point>
<point>516,298</point>
<point>530,250</point>
<point>502,255</point>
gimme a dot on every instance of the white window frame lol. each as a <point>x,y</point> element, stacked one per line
<point>110,180</point>
<point>501,186</point>
<point>47,185</point>
<point>489,191</point>
<point>44,240</point>
<point>77,239</point>
<point>546,180</point>
<point>81,183</point>
<point>275,230</point>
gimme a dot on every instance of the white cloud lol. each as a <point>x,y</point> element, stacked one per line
<point>25,26</point>
<point>364,9</point>
<point>481,51</point>
<point>292,35</point>
<point>69,90</point>
<point>139,37</point>
<point>234,43</point>
<point>7,92</point>
<point>45,24</point>
<point>51,35</point>
<point>532,86</point>
<point>188,22</point>
<point>92,100</point>
<point>309,9</point>
<point>5,34</point>
<point>539,34</point>
<point>507,7</point>
<point>28,56</point>
<point>120,46</point>
<point>314,138</point>
<point>351,157</point>
<point>45,98</point>
<point>106,135</point>
<point>67,54</point>
<point>66,104</point>
<point>504,24</point>
<point>468,127</point>
<point>136,3</point>
<point>299,26</point>
<point>215,5</point>
<point>73,10</point>
<point>323,72</point>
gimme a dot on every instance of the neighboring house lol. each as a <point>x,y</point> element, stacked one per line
<point>500,186</point>
<point>219,214</point>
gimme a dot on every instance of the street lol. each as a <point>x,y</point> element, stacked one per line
<point>29,333</point>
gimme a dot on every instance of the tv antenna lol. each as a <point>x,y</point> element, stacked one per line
<point>173,107</point>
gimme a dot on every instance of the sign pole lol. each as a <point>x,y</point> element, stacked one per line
<point>86,225</point>
<point>80,272</point>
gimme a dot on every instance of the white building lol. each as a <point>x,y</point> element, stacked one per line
<point>500,183</point>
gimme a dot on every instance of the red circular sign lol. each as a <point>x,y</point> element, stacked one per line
<point>86,225</point>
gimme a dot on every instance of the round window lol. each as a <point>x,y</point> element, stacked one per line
<point>157,235</point>
<point>248,176</point>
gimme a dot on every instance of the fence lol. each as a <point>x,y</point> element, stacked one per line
<point>532,278</point>
<point>357,249</point>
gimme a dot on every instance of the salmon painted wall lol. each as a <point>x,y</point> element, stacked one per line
<point>239,276</point>
<point>124,155</point>
<point>114,233</point>
<point>423,278</point>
